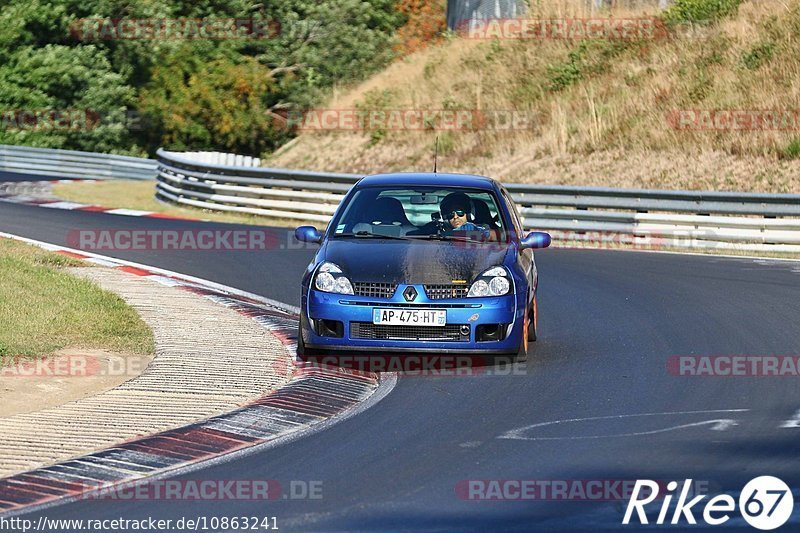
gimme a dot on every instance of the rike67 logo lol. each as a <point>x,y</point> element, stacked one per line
<point>765,503</point>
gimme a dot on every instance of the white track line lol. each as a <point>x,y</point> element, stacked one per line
<point>114,261</point>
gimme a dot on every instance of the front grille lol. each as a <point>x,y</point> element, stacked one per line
<point>374,290</point>
<point>442,292</point>
<point>367,330</point>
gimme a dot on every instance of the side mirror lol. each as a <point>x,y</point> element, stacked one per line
<point>535,239</point>
<point>308,234</point>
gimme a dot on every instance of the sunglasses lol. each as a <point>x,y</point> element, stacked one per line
<point>457,212</point>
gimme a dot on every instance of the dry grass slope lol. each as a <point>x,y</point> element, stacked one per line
<point>600,107</point>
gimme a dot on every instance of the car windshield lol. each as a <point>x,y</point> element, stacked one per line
<point>432,212</point>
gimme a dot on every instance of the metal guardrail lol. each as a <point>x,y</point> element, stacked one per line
<point>293,194</point>
<point>686,219</point>
<point>223,158</point>
<point>56,164</point>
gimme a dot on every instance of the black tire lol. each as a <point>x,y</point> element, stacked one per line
<point>522,352</point>
<point>301,346</point>
<point>532,324</point>
<point>530,334</point>
<point>303,353</point>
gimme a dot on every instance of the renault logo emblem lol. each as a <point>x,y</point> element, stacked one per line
<point>410,294</point>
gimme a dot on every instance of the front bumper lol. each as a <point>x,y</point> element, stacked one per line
<point>356,313</point>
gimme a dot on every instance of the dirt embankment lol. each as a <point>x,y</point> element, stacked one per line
<point>717,107</point>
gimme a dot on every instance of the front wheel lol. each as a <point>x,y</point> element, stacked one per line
<point>528,334</point>
<point>302,352</point>
<point>301,347</point>
<point>522,353</point>
<point>533,320</point>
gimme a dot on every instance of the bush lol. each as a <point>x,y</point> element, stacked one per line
<point>792,151</point>
<point>699,11</point>
<point>425,24</point>
<point>220,104</point>
<point>375,102</point>
<point>61,78</point>
<point>587,59</point>
<point>758,55</point>
<point>562,75</point>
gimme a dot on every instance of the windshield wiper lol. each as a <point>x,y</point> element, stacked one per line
<point>368,235</point>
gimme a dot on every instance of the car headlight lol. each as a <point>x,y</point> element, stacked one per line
<point>493,282</point>
<point>329,278</point>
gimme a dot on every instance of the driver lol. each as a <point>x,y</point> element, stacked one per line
<point>456,209</point>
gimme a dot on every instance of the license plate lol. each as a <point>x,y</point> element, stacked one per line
<point>410,317</point>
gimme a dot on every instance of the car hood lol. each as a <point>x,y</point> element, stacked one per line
<point>413,261</point>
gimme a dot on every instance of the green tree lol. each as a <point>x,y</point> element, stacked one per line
<point>223,94</point>
<point>77,80</point>
<point>231,95</point>
<point>219,104</point>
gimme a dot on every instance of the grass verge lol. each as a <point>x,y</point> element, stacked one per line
<point>44,309</point>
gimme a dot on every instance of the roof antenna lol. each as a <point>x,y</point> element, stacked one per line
<point>436,155</point>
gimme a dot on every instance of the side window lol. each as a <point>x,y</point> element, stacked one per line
<point>512,208</point>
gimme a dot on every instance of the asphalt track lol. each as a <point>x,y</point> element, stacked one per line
<point>609,321</point>
<point>16,177</point>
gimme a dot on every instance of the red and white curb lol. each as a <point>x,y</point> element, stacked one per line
<point>315,397</point>
<point>26,199</point>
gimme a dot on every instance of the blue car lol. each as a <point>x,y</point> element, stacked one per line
<point>421,262</point>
